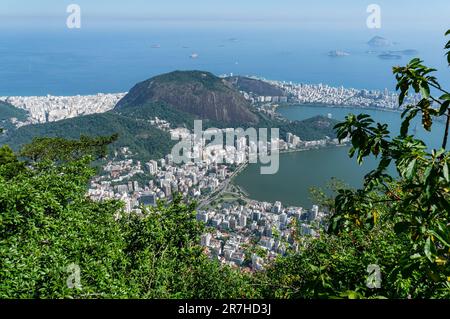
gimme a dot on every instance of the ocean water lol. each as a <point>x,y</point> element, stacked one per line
<point>59,61</point>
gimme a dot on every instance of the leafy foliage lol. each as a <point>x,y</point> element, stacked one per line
<point>47,225</point>
<point>397,224</point>
<point>333,266</point>
<point>168,261</point>
<point>417,204</point>
<point>400,224</point>
<point>140,136</point>
<point>8,111</point>
<point>59,149</point>
<point>9,163</point>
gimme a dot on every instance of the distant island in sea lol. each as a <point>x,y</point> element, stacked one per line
<point>389,56</point>
<point>379,42</point>
<point>338,53</point>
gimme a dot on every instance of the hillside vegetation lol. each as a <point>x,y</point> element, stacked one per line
<point>8,112</point>
<point>255,86</point>
<point>140,136</point>
<point>177,97</point>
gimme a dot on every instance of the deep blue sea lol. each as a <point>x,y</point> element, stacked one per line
<point>59,61</point>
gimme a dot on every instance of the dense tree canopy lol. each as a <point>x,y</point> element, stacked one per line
<point>50,232</point>
<point>398,226</point>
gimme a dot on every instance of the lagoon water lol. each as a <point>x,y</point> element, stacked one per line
<point>300,171</point>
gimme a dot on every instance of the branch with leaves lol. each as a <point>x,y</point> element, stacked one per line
<point>417,202</point>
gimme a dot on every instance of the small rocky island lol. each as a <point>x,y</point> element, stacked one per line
<point>338,53</point>
<point>379,42</point>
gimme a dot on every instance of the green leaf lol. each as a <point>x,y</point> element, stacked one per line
<point>427,172</point>
<point>411,169</point>
<point>446,173</point>
<point>415,62</point>
<point>401,97</point>
<point>441,239</point>
<point>444,107</point>
<point>351,152</point>
<point>415,256</point>
<point>406,122</point>
<point>425,90</point>
<point>427,249</point>
<point>401,227</point>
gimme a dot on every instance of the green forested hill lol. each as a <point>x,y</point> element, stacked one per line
<point>195,92</point>
<point>140,136</point>
<point>7,112</point>
<point>314,128</point>
<point>149,111</point>
<point>177,97</point>
<point>149,142</point>
<point>255,86</point>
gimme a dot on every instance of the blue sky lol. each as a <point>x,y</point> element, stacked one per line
<point>414,14</point>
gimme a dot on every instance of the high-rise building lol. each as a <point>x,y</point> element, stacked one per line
<point>127,202</point>
<point>256,216</point>
<point>174,186</point>
<point>289,137</point>
<point>216,221</point>
<point>169,159</point>
<point>283,219</point>
<point>257,262</point>
<point>121,189</point>
<point>314,212</point>
<point>233,223</point>
<point>243,220</point>
<point>276,208</point>
<point>147,199</point>
<point>206,240</point>
<point>268,231</point>
<point>241,143</point>
<point>167,189</point>
<point>225,225</point>
<point>203,217</point>
<point>152,167</point>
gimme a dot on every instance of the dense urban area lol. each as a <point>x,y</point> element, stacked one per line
<point>49,108</point>
<point>242,232</point>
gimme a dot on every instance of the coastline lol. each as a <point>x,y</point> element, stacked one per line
<point>334,106</point>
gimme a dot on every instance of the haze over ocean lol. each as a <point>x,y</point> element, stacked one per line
<point>115,48</point>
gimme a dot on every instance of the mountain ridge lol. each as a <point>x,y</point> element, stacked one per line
<point>195,92</point>
<point>131,120</point>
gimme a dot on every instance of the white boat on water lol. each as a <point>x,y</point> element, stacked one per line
<point>194,56</point>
